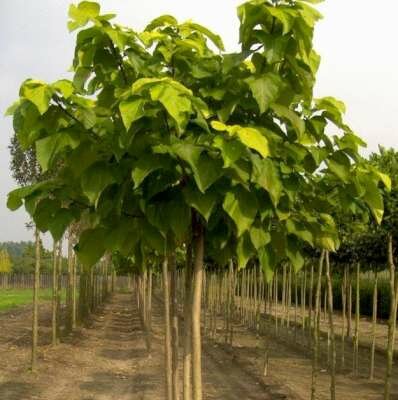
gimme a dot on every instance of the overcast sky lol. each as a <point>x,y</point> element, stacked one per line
<point>357,40</point>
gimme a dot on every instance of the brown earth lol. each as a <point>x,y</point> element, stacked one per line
<point>108,360</point>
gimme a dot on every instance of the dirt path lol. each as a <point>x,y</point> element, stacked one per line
<point>108,361</point>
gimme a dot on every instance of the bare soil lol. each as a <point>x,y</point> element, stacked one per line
<point>108,360</point>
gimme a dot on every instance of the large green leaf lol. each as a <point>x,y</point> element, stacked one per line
<point>49,147</point>
<point>294,254</point>
<point>231,150</point>
<point>241,205</point>
<point>244,250</point>
<point>38,92</point>
<point>82,13</point>
<point>202,202</point>
<point>291,116</point>
<point>91,246</point>
<point>266,175</point>
<point>131,110</point>
<point>265,89</point>
<point>374,200</point>
<point>177,104</point>
<point>259,236</point>
<point>267,258</point>
<point>147,164</point>
<point>95,179</point>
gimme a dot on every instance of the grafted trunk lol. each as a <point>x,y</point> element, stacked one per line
<point>35,316</point>
<point>196,308</point>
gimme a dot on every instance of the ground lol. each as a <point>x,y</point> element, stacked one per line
<point>108,360</point>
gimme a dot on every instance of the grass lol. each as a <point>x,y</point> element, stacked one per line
<point>12,298</point>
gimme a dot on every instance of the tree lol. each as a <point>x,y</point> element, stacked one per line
<point>5,261</point>
<point>162,141</point>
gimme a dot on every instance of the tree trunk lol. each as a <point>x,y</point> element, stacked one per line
<point>174,327</point>
<point>196,308</point>
<point>374,323</point>
<point>55,294</point>
<point>344,315</point>
<point>69,319</point>
<point>393,318</point>
<point>35,317</point>
<point>331,330</point>
<point>349,305</point>
<point>188,325</point>
<point>167,342</point>
<point>357,313</point>
<point>316,323</point>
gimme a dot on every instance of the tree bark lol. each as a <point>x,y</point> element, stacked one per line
<point>174,327</point>
<point>196,308</point>
<point>374,323</point>
<point>187,365</point>
<point>55,294</point>
<point>317,313</point>
<point>35,316</point>
<point>344,315</point>
<point>331,330</point>
<point>357,314</point>
<point>167,342</point>
<point>393,317</point>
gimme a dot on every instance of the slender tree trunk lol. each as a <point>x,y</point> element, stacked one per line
<point>393,318</point>
<point>344,316</point>
<point>174,327</point>
<point>331,330</point>
<point>349,305</point>
<point>317,313</point>
<point>374,324</point>
<point>311,297</point>
<point>36,287</point>
<point>149,308</point>
<point>357,314</point>
<point>55,294</point>
<point>196,308</point>
<point>69,319</point>
<point>74,293</point>
<point>188,325</point>
<point>167,342</point>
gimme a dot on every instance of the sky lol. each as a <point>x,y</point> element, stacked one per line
<point>356,40</point>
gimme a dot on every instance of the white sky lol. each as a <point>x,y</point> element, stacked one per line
<point>357,40</point>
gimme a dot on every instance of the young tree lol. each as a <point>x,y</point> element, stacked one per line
<point>163,140</point>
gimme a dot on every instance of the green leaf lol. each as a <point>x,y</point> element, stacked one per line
<point>82,13</point>
<point>259,236</point>
<point>216,39</point>
<point>339,164</point>
<point>267,258</point>
<point>49,147</point>
<point>65,87</point>
<point>266,175</point>
<point>265,89</point>
<point>296,122</point>
<point>244,250</point>
<point>95,179</point>
<point>131,110</point>
<point>242,207</point>
<point>147,164</point>
<point>374,200</point>
<point>294,254</point>
<point>254,139</point>
<point>91,246</point>
<point>203,202</point>
<point>60,222</point>
<point>163,20</point>
<point>176,103</point>
<point>37,92</point>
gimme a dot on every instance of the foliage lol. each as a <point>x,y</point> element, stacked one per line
<point>5,261</point>
<point>161,128</point>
